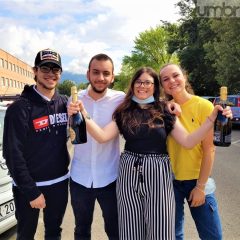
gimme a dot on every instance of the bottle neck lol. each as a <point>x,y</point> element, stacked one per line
<point>74,98</point>
<point>223,94</point>
<point>74,94</point>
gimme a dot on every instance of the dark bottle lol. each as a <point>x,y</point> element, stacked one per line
<point>222,125</point>
<point>77,124</point>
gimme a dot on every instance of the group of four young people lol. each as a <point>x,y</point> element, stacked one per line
<point>143,207</point>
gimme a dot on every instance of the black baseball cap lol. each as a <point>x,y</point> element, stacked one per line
<point>48,56</point>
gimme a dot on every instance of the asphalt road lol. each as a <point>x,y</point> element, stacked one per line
<point>226,174</point>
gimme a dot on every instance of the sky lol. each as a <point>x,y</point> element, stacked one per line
<point>79,29</point>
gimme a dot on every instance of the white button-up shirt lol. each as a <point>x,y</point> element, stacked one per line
<point>94,164</point>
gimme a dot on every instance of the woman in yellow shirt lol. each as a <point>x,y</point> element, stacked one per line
<point>192,167</point>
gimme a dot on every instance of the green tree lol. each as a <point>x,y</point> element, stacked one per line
<point>122,81</point>
<point>224,52</point>
<point>82,86</point>
<point>209,49</point>
<point>65,87</point>
<point>193,33</point>
<point>151,49</point>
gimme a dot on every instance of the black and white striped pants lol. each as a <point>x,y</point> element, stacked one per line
<point>146,205</point>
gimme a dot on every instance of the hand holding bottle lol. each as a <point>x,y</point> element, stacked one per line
<point>73,108</point>
<point>227,112</point>
<point>223,125</point>
<point>77,124</point>
<point>76,107</point>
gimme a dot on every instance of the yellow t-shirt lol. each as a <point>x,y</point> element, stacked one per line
<point>186,163</point>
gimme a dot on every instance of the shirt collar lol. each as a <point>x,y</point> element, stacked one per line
<point>44,97</point>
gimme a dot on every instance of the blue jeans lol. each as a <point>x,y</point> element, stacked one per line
<point>206,216</point>
<point>83,201</point>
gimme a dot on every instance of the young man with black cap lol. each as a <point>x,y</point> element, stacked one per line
<point>34,146</point>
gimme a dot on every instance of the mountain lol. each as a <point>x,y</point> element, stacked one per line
<point>77,78</point>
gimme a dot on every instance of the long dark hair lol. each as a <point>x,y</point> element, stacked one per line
<point>128,114</point>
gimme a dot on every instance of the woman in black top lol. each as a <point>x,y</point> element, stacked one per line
<point>146,205</point>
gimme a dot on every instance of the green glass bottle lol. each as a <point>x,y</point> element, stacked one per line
<point>77,124</point>
<point>222,125</point>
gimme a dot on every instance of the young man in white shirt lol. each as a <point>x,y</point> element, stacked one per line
<point>94,166</point>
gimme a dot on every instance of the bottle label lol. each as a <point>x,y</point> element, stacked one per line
<point>219,137</point>
<point>227,138</point>
<point>72,134</point>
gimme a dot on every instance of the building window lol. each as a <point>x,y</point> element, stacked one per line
<point>6,64</point>
<point>1,63</point>
<point>2,82</point>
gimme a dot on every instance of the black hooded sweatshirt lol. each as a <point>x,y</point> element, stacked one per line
<point>35,140</point>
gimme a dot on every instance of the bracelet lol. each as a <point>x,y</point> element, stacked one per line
<point>210,119</point>
<point>201,184</point>
<point>199,189</point>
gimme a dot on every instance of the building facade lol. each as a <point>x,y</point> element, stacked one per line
<point>14,74</point>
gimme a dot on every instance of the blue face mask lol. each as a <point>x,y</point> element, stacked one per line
<point>143,101</point>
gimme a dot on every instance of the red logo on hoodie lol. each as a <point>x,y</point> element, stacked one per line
<point>41,122</point>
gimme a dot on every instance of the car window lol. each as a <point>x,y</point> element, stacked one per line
<point>231,101</point>
<point>209,98</point>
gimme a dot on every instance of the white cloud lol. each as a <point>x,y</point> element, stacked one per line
<point>78,29</point>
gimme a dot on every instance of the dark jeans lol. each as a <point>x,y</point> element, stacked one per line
<point>83,201</point>
<point>206,216</point>
<point>56,197</point>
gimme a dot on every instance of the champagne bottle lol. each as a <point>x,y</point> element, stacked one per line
<point>222,125</point>
<point>77,124</point>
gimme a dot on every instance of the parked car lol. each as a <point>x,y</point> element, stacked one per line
<point>234,103</point>
<point>210,98</point>
<point>7,207</point>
